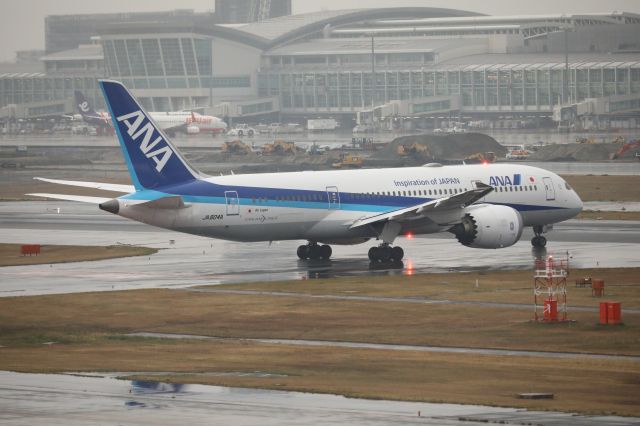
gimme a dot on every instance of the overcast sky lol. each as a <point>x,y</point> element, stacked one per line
<point>22,21</point>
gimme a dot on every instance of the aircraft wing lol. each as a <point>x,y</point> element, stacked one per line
<point>422,210</point>
<point>96,185</point>
<point>79,198</point>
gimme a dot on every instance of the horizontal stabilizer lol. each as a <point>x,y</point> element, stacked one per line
<point>79,198</point>
<point>95,185</point>
<point>170,202</point>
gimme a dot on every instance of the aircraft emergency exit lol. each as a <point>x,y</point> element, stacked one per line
<point>484,206</point>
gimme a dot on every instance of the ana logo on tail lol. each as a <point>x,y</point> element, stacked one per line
<point>135,128</point>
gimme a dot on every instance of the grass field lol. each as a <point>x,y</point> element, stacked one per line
<point>598,215</point>
<point>10,254</point>
<point>90,334</point>
<point>606,188</point>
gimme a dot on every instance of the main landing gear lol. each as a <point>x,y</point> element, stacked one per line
<point>385,253</point>
<point>314,251</point>
<point>538,241</point>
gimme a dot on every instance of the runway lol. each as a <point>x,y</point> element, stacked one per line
<point>186,260</point>
<point>28,399</point>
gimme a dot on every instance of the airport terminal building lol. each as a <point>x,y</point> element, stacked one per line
<point>382,63</point>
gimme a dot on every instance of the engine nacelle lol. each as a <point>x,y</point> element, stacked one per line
<point>193,130</point>
<point>489,226</point>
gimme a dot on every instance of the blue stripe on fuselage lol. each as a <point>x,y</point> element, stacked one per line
<point>210,193</point>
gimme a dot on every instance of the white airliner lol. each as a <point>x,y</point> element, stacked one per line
<point>189,121</point>
<point>485,206</point>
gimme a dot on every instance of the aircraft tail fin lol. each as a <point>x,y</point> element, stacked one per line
<point>152,160</point>
<point>84,107</point>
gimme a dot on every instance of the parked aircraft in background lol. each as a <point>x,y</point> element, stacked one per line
<point>188,121</point>
<point>484,206</point>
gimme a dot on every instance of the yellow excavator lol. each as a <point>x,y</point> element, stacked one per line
<point>236,147</point>
<point>279,147</point>
<point>481,158</point>
<point>348,161</point>
<point>413,150</point>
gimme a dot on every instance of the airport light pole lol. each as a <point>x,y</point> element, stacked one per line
<point>373,75</point>
<point>565,79</point>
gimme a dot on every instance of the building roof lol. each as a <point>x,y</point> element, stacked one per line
<point>83,52</point>
<point>539,60</point>
<point>12,69</point>
<point>343,46</point>
<point>289,28</point>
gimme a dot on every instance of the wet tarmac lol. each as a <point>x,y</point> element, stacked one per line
<point>185,260</point>
<point>30,399</point>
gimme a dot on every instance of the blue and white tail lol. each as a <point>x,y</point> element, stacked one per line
<point>152,160</point>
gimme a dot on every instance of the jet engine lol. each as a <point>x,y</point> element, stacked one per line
<point>489,226</point>
<point>193,130</point>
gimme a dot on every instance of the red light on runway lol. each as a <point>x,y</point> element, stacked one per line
<point>410,268</point>
<point>409,235</point>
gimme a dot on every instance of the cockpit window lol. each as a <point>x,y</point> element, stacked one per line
<point>566,185</point>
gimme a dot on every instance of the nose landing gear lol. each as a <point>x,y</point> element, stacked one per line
<point>538,241</point>
<point>314,251</point>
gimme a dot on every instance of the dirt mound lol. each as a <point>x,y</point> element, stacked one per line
<point>444,148</point>
<point>575,152</point>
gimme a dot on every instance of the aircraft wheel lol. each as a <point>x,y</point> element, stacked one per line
<point>325,252</point>
<point>303,252</point>
<point>373,251</point>
<point>384,253</point>
<point>397,253</point>
<point>250,133</point>
<point>539,241</point>
<point>314,252</point>
<point>240,133</point>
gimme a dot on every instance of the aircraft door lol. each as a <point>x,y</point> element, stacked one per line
<point>548,186</point>
<point>232,202</point>
<point>334,197</point>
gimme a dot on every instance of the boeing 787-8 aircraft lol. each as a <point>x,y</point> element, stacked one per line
<point>484,206</point>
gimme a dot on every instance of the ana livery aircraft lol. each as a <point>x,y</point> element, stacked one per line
<point>485,206</point>
<point>188,121</point>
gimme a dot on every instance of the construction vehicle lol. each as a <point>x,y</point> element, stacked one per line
<point>619,139</point>
<point>348,160</point>
<point>279,147</point>
<point>518,154</point>
<point>236,147</point>
<point>588,141</point>
<point>626,147</point>
<point>413,150</point>
<point>480,158</point>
